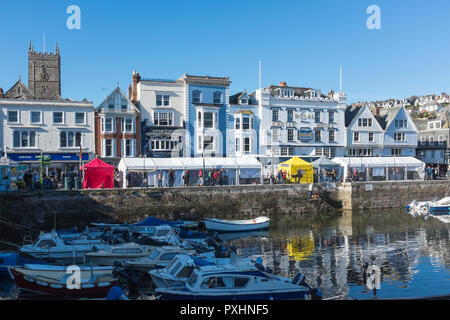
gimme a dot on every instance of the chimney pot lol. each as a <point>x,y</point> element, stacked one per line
<point>282,83</point>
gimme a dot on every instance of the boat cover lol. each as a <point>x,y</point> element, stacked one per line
<point>152,221</point>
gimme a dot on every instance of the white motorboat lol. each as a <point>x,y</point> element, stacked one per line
<point>237,225</point>
<point>159,257</point>
<point>237,282</point>
<point>50,246</point>
<point>177,272</point>
<point>140,248</point>
<point>439,209</point>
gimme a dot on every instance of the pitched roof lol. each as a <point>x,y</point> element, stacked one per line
<point>24,93</point>
<point>115,91</point>
<point>387,115</point>
<point>351,113</point>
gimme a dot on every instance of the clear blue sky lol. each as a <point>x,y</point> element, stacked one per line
<point>300,42</point>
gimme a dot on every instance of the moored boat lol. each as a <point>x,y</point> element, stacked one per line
<point>228,283</point>
<point>237,225</point>
<point>50,246</point>
<point>96,286</point>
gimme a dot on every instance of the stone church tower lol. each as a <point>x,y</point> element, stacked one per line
<point>44,74</point>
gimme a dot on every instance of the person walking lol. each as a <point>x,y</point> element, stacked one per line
<point>284,177</point>
<point>160,179</point>
<point>200,177</point>
<point>299,175</point>
<point>186,178</point>
<point>171,174</point>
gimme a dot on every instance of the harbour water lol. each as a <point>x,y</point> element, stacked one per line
<point>411,254</point>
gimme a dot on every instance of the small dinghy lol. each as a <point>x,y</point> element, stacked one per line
<point>237,225</point>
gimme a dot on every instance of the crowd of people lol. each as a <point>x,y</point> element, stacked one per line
<point>211,177</point>
<point>283,176</point>
<point>32,180</point>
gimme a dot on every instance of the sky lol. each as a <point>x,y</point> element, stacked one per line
<point>300,42</point>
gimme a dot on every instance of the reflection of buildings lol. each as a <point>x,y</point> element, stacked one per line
<point>333,258</point>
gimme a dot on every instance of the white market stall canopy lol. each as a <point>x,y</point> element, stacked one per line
<point>381,168</point>
<point>152,164</point>
<point>376,162</point>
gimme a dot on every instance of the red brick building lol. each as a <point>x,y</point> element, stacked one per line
<point>117,128</point>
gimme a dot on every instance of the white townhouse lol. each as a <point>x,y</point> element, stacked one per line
<point>365,135</point>
<point>185,117</point>
<point>162,106</point>
<point>400,132</point>
<point>389,132</point>
<point>242,125</point>
<point>57,128</point>
<point>301,122</point>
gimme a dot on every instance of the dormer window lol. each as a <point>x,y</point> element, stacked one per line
<point>244,101</point>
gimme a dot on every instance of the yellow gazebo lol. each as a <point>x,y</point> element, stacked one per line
<point>291,167</point>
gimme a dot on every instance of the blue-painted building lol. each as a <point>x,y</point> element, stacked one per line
<point>206,100</point>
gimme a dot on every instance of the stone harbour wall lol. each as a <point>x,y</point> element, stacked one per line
<point>78,208</point>
<point>64,209</point>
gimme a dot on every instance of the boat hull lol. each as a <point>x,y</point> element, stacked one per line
<point>40,287</point>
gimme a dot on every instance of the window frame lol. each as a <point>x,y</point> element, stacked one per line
<point>84,118</point>
<point>17,116</point>
<point>62,117</point>
<point>40,117</point>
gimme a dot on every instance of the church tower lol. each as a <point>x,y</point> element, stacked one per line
<point>44,74</point>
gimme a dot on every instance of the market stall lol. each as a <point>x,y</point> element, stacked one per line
<point>292,166</point>
<point>144,172</point>
<point>381,168</point>
<point>327,170</point>
<point>98,175</point>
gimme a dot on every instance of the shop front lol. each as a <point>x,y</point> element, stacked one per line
<point>11,175</point>
<point>59,162</point>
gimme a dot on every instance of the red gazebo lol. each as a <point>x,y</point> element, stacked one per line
<point>98,175</point>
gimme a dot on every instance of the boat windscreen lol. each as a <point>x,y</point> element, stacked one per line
<point>202,262</point>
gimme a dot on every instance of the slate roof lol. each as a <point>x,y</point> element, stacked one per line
<point>351,113</point>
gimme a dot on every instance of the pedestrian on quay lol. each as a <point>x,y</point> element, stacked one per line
<point>221,177</point>
<point>279,176</point>
<point>284,177</point>
<point>200,178</point>
<point>186,178</point>
<point>160,179</point>
<point>299,175</point>
<point>171,175</point>
<point>210,177</point>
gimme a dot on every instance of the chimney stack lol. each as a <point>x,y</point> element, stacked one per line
<point>1,93</point>
<point>283,84</point>
<point>134,81</point>
<point>129,91</point>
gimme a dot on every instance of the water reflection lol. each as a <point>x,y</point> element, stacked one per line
<point>413,254</point>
